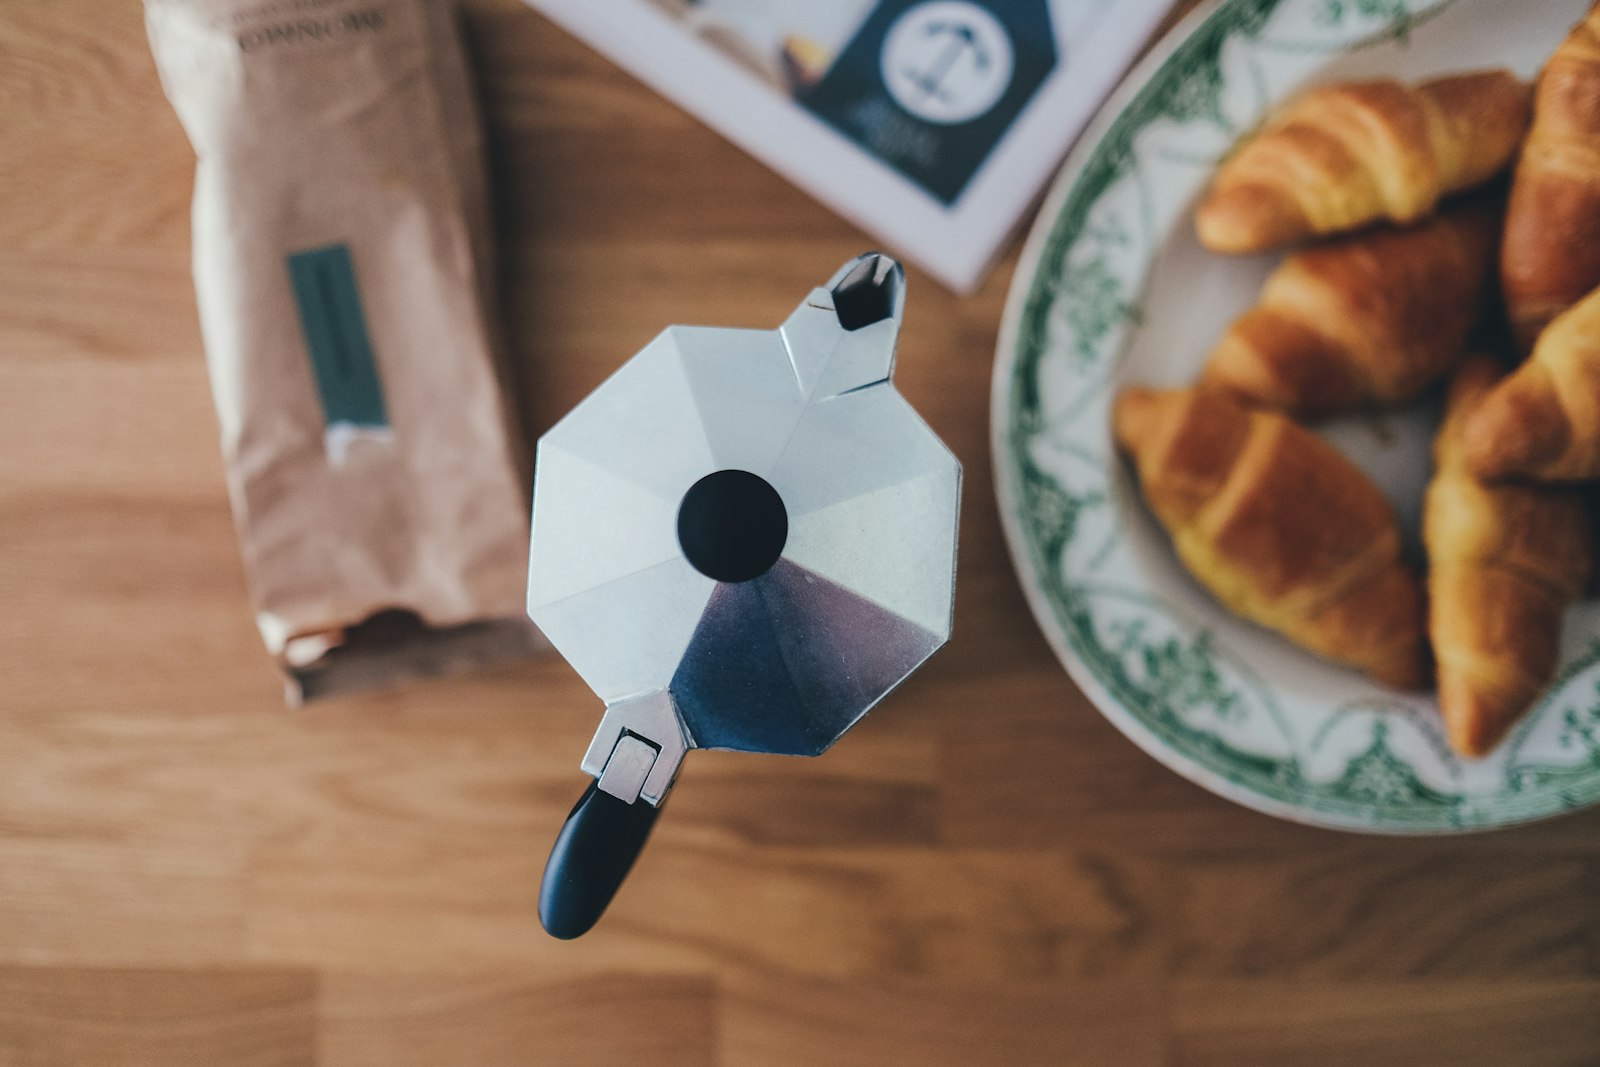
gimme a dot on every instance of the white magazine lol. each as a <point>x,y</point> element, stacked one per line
<point>932,124</point>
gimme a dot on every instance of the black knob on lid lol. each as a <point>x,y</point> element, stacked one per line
<point>732,526</point>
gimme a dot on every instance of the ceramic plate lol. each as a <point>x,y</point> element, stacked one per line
<point>1114,288</point>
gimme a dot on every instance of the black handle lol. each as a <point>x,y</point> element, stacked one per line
<point>592,855</point>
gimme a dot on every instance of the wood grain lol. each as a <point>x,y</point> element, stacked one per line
<point>1410,1023</point>
<point>125,1017</point>
<point>984,872</point>
<point>506,1018</point>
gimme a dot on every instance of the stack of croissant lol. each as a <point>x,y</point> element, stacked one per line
<point>1415,240</point>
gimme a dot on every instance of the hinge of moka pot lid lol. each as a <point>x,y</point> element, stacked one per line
<point>638,748</point>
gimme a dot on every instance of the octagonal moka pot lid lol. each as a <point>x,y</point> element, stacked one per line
<point>743,539</point>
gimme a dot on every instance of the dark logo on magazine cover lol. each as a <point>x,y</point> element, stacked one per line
<point>931,87</point>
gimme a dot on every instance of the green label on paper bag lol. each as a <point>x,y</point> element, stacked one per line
<point>336,336</point>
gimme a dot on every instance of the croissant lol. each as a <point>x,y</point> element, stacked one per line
<point>1371,318</point>
<point>1543,422</point>
<point>1347,154</point>
<point>1551,253</point>
<point>1505,561</point>
<point>1278,525</point>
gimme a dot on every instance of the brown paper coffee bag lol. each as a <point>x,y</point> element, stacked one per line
<point>342,265</point>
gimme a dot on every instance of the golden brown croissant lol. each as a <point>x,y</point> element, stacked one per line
<point>1372,318</point>
<point>1344,155</point>
<point>1278,525</point>
<point>1543,422</point>
<point>1505,562</point>
<point>1551,254</point>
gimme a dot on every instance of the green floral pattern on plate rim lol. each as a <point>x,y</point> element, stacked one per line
<point>1160,676</point>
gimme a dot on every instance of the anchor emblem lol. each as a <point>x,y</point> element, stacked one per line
<point>962,40</point>
<point>947,61</point>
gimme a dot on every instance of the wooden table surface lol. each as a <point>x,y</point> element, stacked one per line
<point>983,872</point>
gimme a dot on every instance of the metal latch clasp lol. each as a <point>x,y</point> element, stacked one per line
<point>638,748</point>
<point>629,765</point>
